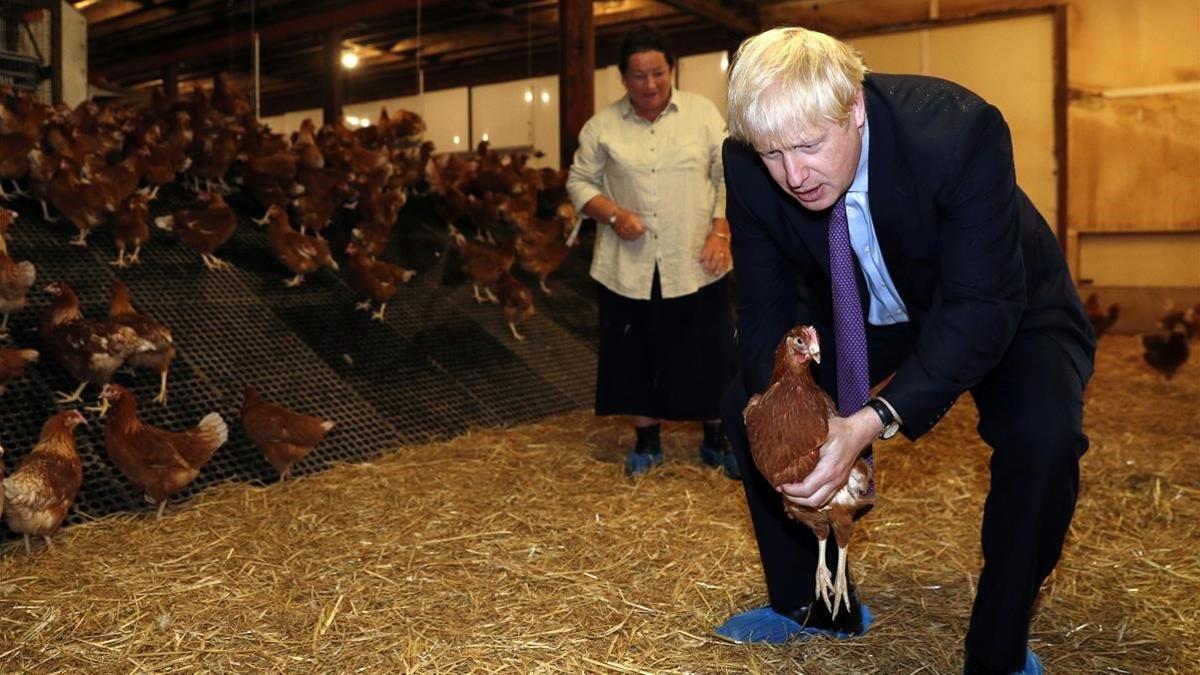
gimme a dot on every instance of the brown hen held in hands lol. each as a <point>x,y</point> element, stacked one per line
<point>41,490</point>
<point>157,350</point>
<point>786,426</point>
<point>158,461</point>
<point>284,436</point>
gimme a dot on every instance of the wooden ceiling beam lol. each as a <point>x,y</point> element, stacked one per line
<point>316,22</point>
<point>714,12</point>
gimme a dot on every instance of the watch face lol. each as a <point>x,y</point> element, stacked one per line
<point>889,431</point>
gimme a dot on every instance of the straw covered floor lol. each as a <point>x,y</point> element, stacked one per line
<point>526,550</point>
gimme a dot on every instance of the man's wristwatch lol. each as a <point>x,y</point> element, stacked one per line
<point>612,220</point>
<point>890,425</point>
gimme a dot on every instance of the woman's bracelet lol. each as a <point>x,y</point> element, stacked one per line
<point>719,235</point>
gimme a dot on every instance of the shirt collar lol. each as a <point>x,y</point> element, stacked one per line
<point>860,175</point>
<point>627,107</point>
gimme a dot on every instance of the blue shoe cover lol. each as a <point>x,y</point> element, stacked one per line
<point>638,463</point>
<point>765,625</point>
<point>1033,665</point>
<point>761,625</point>
<point>718,458</point>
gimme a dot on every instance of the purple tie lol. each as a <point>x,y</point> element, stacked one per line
<point>850,335</point>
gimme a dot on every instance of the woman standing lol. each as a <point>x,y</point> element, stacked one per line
<point>648,170</point>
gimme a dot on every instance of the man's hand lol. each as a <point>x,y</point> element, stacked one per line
<point>629,225</point>
<point>846,440</point>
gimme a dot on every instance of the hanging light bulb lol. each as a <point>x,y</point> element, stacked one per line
<point>545,96</point>
<point>724,62</point>
<point>349,60</point>
<point>484,137</point>
<point>457,140</point>
<point>529,95</point>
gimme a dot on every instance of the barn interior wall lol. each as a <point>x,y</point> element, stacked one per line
<point>1133,128</point>
<point>1134,142</point>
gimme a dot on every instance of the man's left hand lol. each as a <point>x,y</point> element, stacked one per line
<point>845,442</point>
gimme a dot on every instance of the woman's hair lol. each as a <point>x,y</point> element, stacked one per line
<point>644,39</point>
<point>789,78</point>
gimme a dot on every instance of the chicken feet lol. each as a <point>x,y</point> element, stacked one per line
<point>212,262</point>
<point>294,281</point>
<point>841,587</point>
<point>513,327</point>
<point>76,397</point>
<point>824,582</point>
<point>161,399</point>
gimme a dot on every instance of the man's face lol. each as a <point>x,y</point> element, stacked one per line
<point>647,78</point>
<point>818,162</point>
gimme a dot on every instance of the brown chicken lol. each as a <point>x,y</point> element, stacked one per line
<point>300,253</point>
<point>516,300</point>
<point>16,278</point>
<point>157,350</point>
<point>158,461</point>
<point>1167,353</point>
<point>42,488</point>
<point>542,246</point>
<point>483,264</point>
<point>130,228</point>
<point>91,351</point>
<point>786,425</point>
<point>12,364</point>
<point>376,279</point>
<point>1102,319</point>
<point>284,436</point>
<point>86,205</point>
<point>1189,318</point>
<point>203,231</point>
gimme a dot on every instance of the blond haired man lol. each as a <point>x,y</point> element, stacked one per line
<point>884,210</point>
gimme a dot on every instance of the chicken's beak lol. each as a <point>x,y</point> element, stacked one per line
<point>814,351</point>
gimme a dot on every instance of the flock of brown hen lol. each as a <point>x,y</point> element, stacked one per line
<point>101,166</point>
<point>1165,352</point>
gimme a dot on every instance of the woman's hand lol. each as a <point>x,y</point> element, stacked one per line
<point>629,225</point>
<point>716,257</point>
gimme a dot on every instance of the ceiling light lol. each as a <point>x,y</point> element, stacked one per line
<point>529,96</point>
<point>349,60</point>
<point>484,137</point>
<point>545,97</point>
<point>457,140</point>
<point>725,62</point>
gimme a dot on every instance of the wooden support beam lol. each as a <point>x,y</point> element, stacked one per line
<point>577,63</point>
<point>170,80</point>
<point>714,12</point>
<point>333,85</point>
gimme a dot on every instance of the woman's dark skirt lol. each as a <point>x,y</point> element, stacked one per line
<point>667,359</point>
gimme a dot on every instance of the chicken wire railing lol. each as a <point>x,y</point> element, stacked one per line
<point>439,365</point>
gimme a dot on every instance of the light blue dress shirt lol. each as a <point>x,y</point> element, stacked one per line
<point>886,305</point>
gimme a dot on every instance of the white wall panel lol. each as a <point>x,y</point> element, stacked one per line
<point>705,74</point>
<point>1009,62</point>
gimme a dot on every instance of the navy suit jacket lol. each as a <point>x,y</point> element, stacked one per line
<point>971,257</point>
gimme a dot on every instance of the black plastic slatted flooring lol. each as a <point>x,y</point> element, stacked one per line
<point>437,366</point>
